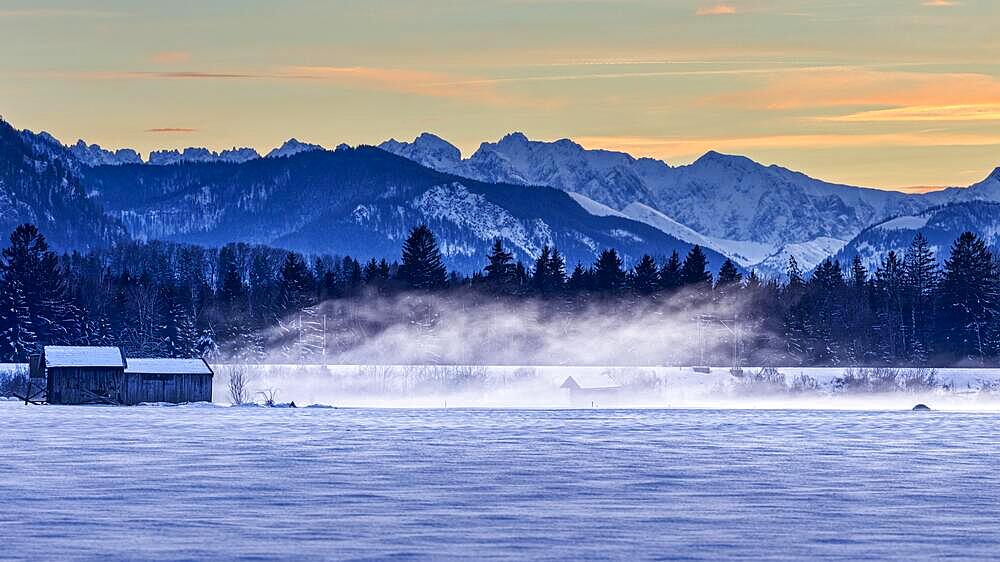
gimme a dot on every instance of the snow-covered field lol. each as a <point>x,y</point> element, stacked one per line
<point>202,482</point>
<point>641,387</point>
<point>429,386</point>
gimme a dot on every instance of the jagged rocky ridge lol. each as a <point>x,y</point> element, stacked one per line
<point>360,202</point>
<point>758,215</point>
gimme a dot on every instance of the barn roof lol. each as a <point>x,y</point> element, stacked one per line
<point>83,356</point>
<point>168,367</point>
<point>591,381</point>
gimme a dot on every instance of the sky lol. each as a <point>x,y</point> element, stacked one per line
<point>898,94</point>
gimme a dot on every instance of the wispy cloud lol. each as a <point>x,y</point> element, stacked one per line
<point>974,112</point>
<point>57,13</point>
<point>661,147</point>
<point>414,82</point>
<point>919,188</point>
<point>151,75</point>
<point>171,130</point>
<point>417,82</point>
<point>170,57</point>
<point>941,3</point>
<point>859,87</point>
<point>716,10</point>
<point>762,70</point>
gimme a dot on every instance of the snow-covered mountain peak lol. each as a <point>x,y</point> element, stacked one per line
<point>42,142</point>
<point>200,154</point>
<point>430,140</point>
<point>428,150</point>
<point>986,190</point>
<point>238,154</point>
<point>991,183</point>
<point>604,176</point>
<point>513,138</point>
<point>713,159</point>
<point>94,155</point>
<point>291,147</point>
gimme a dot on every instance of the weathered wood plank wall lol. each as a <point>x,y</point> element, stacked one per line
<point>78,385</point>
<point>139,388</point>
<point>74,385</point>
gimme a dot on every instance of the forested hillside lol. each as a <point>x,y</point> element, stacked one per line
<point>261,304</point>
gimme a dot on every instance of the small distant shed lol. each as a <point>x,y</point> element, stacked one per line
<point>167,380</point>
<point>590,386</point>
<point>80,375</point>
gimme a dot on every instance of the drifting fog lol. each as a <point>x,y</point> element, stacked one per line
<point>449,330</point>
<point>441,351</point>
<point>463,386</point>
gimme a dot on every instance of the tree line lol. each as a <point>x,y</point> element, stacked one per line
<point>256,303</point>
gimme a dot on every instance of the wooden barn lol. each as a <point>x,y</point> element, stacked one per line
<point>591,387</point>
<point>167,380</point>
<point>102,375</point>
<point>80,375</point>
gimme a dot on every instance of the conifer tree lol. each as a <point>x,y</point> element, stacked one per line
<point>609,277</point>
<point>694,270</point>
<point>549,274</point>
<point>32,269</point>
<point>423,266</point>
<point>580,280</point>
<point>230,291</point>
<point>353,275</point>
<point>645,278</point>
<point>260,295</point>
<point>922,277</point>
<point>729,276</point>
<point>857,330</point>
<point>670,273</point>
<point>371,272</point>
<point>890,289</point>
<point>556,270</point>
<point>824,306</point>
<point>521,277</point>
<point>794,274</point>
<point>969,297</point>
<point>540,274</point>
<point>295,285</point>
<point>18,339</point>
<point>500,267</point>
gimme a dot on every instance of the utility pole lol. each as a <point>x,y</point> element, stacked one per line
<point>701,339</point>
<point>737,335</point>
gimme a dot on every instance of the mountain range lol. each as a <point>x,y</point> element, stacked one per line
<point>356,201</point>
<point>361,201</point>
<point>755,214</point>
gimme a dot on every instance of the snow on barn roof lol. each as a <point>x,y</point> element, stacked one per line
<point>168,367</point>
<point>83,356</point>
<point>591,381</point>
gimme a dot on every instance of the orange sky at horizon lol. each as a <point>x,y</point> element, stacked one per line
<point>893,94</point>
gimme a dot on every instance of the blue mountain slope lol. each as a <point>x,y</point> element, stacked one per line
<point>42,187</point>
<point>940,225</point>
<point>361,202</point>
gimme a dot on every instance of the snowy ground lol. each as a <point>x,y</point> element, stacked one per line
<point>642,387</point>
<point>203,482</point>
<point>426,386</point>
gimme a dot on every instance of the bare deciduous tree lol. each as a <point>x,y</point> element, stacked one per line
<point>238,380</point>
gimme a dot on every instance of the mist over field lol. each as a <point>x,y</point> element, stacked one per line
<point>431,329</point>
<point>507,386</point>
